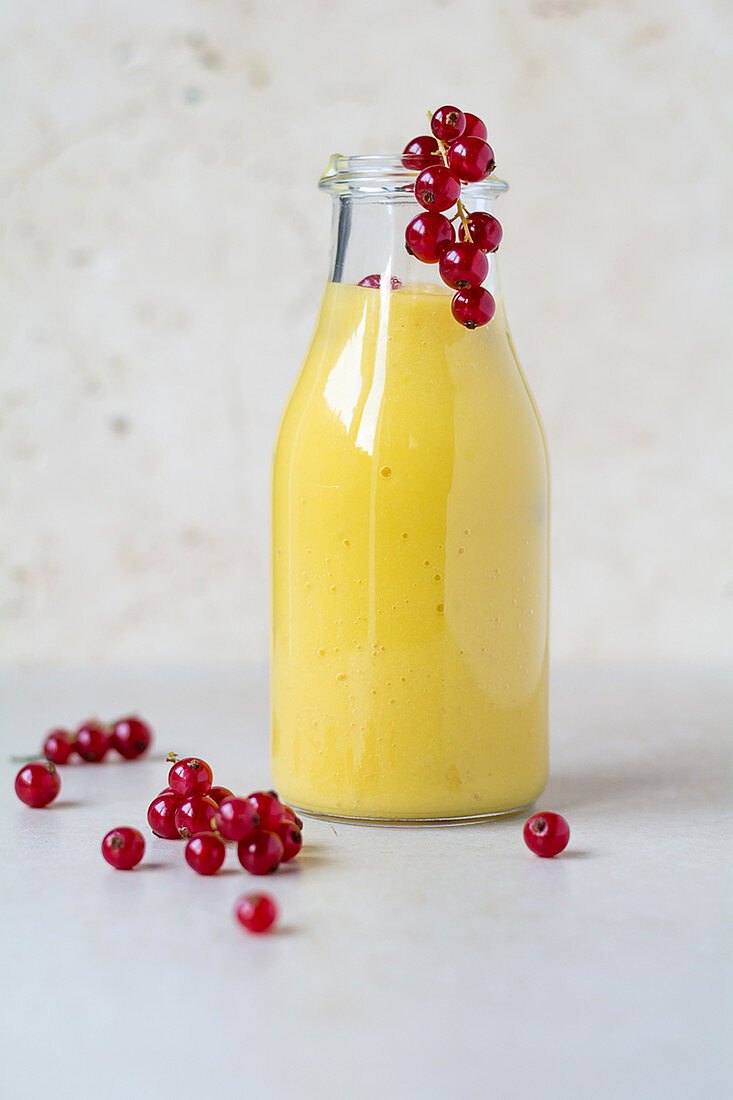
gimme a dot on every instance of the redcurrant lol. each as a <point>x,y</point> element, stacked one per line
<point>448,123</point>
<point>92,741</point>
<point>291,815</point>
<point>463,265</point>
<point>38,783</point>
<point>237,818</point>
<point>437,188</point>
<point>471,159</point>
<point>162,813</point>
<point>190,776</point>
<point>428,235</point>
<point>420,152</point>
<point>219,794</point>
<point>268,808</point>
<point>58,746</point>
<point>123,848</point>
<point>546,834</point>
<point>196,814</point>
<point>474,127</point>
<point>485,230</point>
<point>257,912</point>
<point>473,307</point>
<point>292,839</point>
<point>205,853</point>
<point>131,737</point>
<point>262,855</point>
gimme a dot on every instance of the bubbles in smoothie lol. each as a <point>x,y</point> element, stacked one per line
<point>440,608</point>
<point>321,652</point>
<point>386,471</point>
<point>461,549</point>
<point>347,543</point>
<point>437,577</point>
<point>404,535</point>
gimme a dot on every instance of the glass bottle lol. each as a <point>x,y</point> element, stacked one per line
<point>410,538</point>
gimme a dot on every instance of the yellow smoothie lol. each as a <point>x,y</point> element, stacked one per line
<point>409,665</point>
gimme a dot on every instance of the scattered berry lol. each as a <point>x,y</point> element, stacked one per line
<point>471,159</point>
<point>437,188</point>
<point>205,853</point>
<point>196,814</point>
<point>92,741</point>
<point>190,776</point>
<point>474,307</point>
<point>375,281</point>
<point>474,127</point>
<point>131,737</point>
<point>123,848</point>
<point>219,794</point>
<point>268,808</point>
<point>237,818</point>
<point>463,265</point>
<point>428,235</point>
<point>257,912</point>
<point>291,815</point>
<point>448,123</point>
<point>162,813</point>
<point>485,231</point>
<point>420,152</point>
<point>546,834</point>
<point>58,746</point>
<point>262,855</point>
<point>38,783</point>
<point>292,839</point>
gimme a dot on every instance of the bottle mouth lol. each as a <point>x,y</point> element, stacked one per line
<point>386,174</point>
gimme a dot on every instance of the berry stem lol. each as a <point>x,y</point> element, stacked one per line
<point>459,204</point>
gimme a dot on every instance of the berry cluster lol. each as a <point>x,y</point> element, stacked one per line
<point>457,152</point>
<point>129,736</point>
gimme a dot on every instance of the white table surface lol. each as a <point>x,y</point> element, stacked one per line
<point>410,962</point>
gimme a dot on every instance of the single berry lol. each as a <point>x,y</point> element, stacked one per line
<point>474,127</point>
<point>190,776</point>
<point>437,188</point>
<point>268,808</point>
<point>257,912</point>
<point>162,813</point>
<point>485,231</point>
<point>58,746</point>
<point>123,848</point>
<point>262,855</point>
<point>196,814</point>
<point>219,794</point>
<point>428,235</point>
<point>448,123</point>
<point>375,281</point>
<point>546,834</point>
<point>131,737</point>
<point>473,307</point>
<point>420,152</point>
<point>471,159</point>
<point>92,741</point>
<point>205,853</point>
<point>38,783</point>
<point>291,815</point>
<point>463,265</point>
<point>237,818</point>
<point>292,839</point>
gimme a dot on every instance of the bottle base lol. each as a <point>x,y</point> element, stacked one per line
<point>406,822</point>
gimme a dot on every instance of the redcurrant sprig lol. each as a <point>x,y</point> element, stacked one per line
<point>457,152</point>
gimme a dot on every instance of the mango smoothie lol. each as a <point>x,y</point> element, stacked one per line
<point>409,664</point>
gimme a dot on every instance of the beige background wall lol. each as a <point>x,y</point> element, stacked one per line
<point>161,158</point>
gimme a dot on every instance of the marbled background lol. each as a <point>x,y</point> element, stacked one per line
<point>159,173</point>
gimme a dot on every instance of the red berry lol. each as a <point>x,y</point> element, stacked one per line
<point>437,188</point>
<point>292,839</point>
<point>219,794</point>
<point>448,123</point>
<point>58,746</point>
<point>546,834</point>
<point>190,776</point>
<point>92,741</point>
<point>205,853</point>
<point>257,912</point>
<point>38,783</point>
<point>473,307</point>
<point>375,281</point>
<point>262,855</point>
<point>131,737</point>
<point>237,819</point>
<point>463,265</point>
<point>268,808</point>
<point>471,159</point>
<point>291,815</point>
<point>123,848</point>
<point>420,152</point>
<point>474,127</point>
<point>162,813</point>
<point>196,814</point>
<point>485,229</point>
<point>428,235</point>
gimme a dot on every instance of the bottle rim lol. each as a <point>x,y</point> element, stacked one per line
<point>380,173</point>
